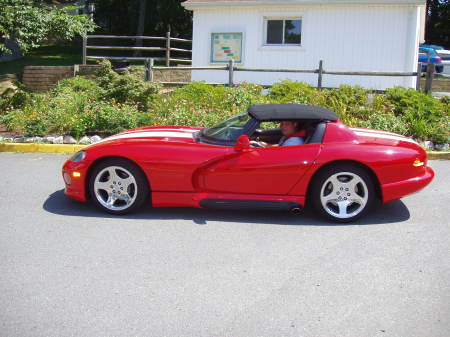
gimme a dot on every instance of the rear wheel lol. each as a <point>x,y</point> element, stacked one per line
<point>342,193</point>
<point>118,186</point>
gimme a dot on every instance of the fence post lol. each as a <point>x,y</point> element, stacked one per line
<point>319,79</point>
<point>149,63</point>
<point>230,73</point>
<point>430,75</point>
<point>84,49</point>
<point>419,75</point>
<point>168,49</point>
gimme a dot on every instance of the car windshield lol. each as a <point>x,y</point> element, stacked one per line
<point>228,130</point>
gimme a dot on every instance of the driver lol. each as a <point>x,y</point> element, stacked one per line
<point>292,132</point>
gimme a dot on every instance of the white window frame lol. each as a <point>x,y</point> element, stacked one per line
<point>283,18</point>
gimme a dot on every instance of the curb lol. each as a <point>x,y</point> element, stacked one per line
<point>69,148</point>
<point>438,155</point>
<point>40,148</point>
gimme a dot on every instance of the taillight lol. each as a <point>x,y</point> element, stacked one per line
<point>438,58</point>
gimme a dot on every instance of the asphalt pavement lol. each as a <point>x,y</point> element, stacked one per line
<point>67,269</point>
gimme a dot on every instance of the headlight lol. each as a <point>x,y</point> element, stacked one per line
<point>79,156</point>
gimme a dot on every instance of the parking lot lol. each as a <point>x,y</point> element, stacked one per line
<point>67,269</point>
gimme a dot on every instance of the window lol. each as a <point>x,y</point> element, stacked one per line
<point>283,31</point>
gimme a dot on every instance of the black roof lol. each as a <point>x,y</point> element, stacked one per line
<point>277,112</point>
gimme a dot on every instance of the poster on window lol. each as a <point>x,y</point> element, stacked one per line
<point>225,47</point>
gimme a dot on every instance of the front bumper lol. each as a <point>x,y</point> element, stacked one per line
<point>75,186</point>
<point>402,188</point>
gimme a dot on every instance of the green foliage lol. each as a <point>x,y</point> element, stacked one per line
<point>422,114</point>
<point>110,103</point>
<point>27,24</point>
<point>126,88</point>
<point>204,105</point>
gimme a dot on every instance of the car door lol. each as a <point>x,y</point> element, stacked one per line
<point>271,170</point>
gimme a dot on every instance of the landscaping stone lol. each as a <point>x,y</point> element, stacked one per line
<point>428,145</point>
<point>49,139</point>
<point>84,140</point>
<point>69,140</point>
<point>19,140</point>
<point>58,140</point>
<point>1,139</point>
<point>29,140</point>
<point>95,139</point>
<point>7,140</point>
<point>442,147</point>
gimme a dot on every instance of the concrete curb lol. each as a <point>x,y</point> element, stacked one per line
<point>438,155</point>
<point>40,148</point>
<point>69,148</point>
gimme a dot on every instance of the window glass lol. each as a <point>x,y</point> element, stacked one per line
<point>274,31</point>
<point>228,130</point>
<point>292,31</point>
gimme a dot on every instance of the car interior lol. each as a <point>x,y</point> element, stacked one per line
<point>315,131</point>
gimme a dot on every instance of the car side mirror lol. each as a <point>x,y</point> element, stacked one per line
<point>242,143</point>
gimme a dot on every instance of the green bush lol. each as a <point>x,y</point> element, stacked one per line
<point>110,103</point>
<point>202,104</point>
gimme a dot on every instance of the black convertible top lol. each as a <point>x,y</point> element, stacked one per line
<point>277,112</point>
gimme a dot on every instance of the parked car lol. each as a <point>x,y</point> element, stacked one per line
<point>440,51</point>
<point>429,55</point>
<point>342,171</point>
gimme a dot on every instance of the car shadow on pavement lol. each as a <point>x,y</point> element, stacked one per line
<point>59,203</point>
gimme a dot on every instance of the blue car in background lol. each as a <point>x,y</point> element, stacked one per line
<point>429,55</point>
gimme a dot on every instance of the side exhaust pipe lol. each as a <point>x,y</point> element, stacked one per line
<point>296,210</point>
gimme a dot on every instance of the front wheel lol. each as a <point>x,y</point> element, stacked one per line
<point>118,187</point>
<point>342,193</point>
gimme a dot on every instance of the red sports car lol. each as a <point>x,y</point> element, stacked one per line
<point>341,171</point>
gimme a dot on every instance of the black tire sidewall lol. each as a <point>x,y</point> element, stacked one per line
<point>324,174</point>
<point>141,181</point>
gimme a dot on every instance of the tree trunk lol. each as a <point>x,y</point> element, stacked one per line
<point>141,25</point>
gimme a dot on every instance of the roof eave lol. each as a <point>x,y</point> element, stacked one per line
<point>192,5</point>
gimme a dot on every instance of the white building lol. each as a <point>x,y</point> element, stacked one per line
<point>348,35</point>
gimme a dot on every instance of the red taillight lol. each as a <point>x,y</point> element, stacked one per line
<point>438,58</point>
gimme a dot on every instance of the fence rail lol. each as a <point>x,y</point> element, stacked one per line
<point>320,71</point>
<point>168,49</point>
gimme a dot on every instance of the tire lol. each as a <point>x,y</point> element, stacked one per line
<point>118,186</point>
<point>342,193</point>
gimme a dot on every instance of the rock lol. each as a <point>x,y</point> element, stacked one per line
<point>95,139</point>
<point>38,139</point>
<point>442,147</point>
<point>29,140</point>
<point>1,139</point>
<point>19,140</point>
<point>69,140</point>
<point>48,139</point>
<point>58,140</point>
<point>7,140</point>
<point>428,145</point>
<point>84,140</point>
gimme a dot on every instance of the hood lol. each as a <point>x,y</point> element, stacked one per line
<point>382,137</point>
<point>169,134</point>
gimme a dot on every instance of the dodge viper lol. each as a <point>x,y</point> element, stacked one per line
<point>340,170</point>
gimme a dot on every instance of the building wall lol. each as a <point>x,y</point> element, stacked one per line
<point>345,37</point>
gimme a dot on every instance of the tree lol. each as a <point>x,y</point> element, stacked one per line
<point>28,23</point>
<point>120,17</point>
<point>437,29</point>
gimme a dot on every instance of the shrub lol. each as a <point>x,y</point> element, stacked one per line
<point>202,104</point>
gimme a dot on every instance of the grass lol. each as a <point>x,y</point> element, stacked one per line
<point>43,56</point>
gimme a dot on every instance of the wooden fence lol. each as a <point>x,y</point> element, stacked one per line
<point>167,49</point>
<point>320,71</point>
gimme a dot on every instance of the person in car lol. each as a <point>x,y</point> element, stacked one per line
<point>292,132</point>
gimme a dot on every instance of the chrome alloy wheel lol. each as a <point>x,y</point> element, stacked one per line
<point>115,188</point>
<point>344,195</point>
